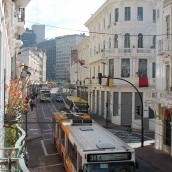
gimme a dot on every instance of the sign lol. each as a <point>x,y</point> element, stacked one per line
<point>109,157</point>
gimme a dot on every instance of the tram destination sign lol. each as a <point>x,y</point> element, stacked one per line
<point>109,157</point>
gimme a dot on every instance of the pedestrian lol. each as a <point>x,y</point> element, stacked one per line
<point>26,157</point>
<point>31,104</point>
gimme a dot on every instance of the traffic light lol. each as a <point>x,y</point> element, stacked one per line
<point>100,78</point>
<point>138,110</point>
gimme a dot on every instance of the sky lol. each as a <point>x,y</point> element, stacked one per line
<point>57,14</point>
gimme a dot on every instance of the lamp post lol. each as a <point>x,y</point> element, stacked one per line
<point>141,100</point>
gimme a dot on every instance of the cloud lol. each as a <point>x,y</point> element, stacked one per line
<point>70,14</point>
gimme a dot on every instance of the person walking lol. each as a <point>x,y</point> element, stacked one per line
<point>31,104</point>
<point>26,157</point>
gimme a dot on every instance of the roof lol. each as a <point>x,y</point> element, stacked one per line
<point>96,138</point>
<point>76,99</point>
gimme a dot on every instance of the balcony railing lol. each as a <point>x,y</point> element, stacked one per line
<point>12,158</point>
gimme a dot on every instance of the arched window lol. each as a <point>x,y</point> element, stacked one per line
<point>140,40</point>
<point>127,40</point>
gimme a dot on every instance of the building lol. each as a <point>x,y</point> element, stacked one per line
<point>28,38</point>
<point>122,45</point>
<point>64,45</point>
<point>160,99</point>
<point>50,49</point>
<point>39,31</point>
<point>12,14</point>
<point>35,60</point>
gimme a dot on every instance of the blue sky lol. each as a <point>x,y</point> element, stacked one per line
<point>70,14</point>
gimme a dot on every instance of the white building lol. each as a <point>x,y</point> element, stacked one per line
<point>122,45</point>
<point>35,60</point>
<point>161,99</point>
<point>39,30</point>
<point>11,26</point>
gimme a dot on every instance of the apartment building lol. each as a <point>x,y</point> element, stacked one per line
<point>35,61</point>
<point>122,45</point>
<point>160,99</point>
<point>12,15</point>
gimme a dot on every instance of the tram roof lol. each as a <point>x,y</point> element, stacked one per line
<point>96,138</point>
<point>76,99</point>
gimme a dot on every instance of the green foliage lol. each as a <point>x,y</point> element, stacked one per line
<point>10,136</point>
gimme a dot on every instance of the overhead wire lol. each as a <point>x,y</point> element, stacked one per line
<point>95,32</point>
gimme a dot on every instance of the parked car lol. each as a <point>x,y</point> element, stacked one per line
<point>59,99</point>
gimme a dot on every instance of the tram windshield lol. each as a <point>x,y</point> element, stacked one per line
<point>110,167</point>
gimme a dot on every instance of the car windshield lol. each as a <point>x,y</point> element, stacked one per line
<point>109,167</point>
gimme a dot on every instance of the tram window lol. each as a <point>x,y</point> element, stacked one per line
<point>72,154</point>
<point>62,137</point>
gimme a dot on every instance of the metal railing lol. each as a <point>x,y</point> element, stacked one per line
<point>11,159</point>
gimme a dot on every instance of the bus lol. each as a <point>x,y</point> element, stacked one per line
<point>45,95</point>
<point>76,104</point>
<point>85,146</point>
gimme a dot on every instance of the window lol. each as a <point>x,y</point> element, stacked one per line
<point>111,68</point>
<point>104,23</point>
<point>154,41</point>
<point>127,14</point>
<point>142,67</point>
<point>153,70</point>
<point>127,40</point>
<point>110,19</point>
<point>154,16</point>
<point>115,41</point>
<point>140,40</point>
<point>140,14</point>
<point>125,67</point>
<point>116,14</point>
<point>167,26</point>
<point>109,42</point>
<point>104,45</point>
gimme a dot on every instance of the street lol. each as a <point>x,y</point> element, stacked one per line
<point>43,156</point>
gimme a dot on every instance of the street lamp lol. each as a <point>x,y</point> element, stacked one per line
<point>141,100</point>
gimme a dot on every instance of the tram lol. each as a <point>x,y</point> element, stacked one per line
<point>76,104</point>
<point>85,146</point>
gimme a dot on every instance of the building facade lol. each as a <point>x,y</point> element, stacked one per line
<point>39,31</point>
<point>35,61</point>
<point>64,45</point>
<point>122,45</point>
<point>50,49</point>
<point>28,38</point>
<point>161,98</point>
<point>12,14</point>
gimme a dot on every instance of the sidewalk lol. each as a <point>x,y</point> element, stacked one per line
<point>157,159</point>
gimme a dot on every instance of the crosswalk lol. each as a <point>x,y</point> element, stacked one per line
<point>127,137</point>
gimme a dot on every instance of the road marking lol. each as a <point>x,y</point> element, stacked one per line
<point>43,110</point>
<point>47,130</point>
<point>47,133</point>
<point>43,146</point>
<point>54,107</point>
<point>53,154</point>
<point>46,166</point>
<point>33,129</point>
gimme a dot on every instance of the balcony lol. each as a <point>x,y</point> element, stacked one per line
<point>21,3</point>
<point>14,155</point>
<point>121,52</point>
